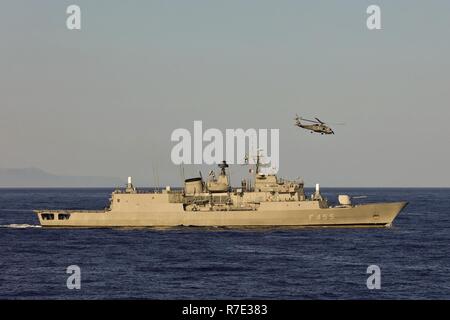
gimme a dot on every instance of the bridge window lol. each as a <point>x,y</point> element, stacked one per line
<point>47,216</point>
<point>63,216</point>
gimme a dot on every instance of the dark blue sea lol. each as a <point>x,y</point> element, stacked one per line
<point>205,263</point>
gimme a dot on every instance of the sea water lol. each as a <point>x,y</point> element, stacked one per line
<point>219,263</point>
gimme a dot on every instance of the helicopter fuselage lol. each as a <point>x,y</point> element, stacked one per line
<point>318,128</point>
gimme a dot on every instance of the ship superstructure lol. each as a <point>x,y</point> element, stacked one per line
<point>267,201</point>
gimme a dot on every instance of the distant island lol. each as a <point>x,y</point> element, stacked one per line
<point>35,177</point>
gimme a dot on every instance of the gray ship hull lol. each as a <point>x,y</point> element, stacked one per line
<point>173,215</point>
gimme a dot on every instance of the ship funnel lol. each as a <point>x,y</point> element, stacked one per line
<point>317,188</point>
<point>129,180</point>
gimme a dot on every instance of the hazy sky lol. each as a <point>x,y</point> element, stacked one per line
<point>105,100</point>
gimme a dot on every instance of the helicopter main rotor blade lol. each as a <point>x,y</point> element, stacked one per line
<point>319,121</point>
<point>309,120</point>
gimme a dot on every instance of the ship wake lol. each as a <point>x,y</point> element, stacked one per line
<point>19,226</point>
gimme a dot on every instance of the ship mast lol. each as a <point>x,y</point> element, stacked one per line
<point>257,163</point>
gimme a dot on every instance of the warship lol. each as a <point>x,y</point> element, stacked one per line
<point>264,200</point>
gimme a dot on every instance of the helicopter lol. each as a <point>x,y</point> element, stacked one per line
<point>318,125</point>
